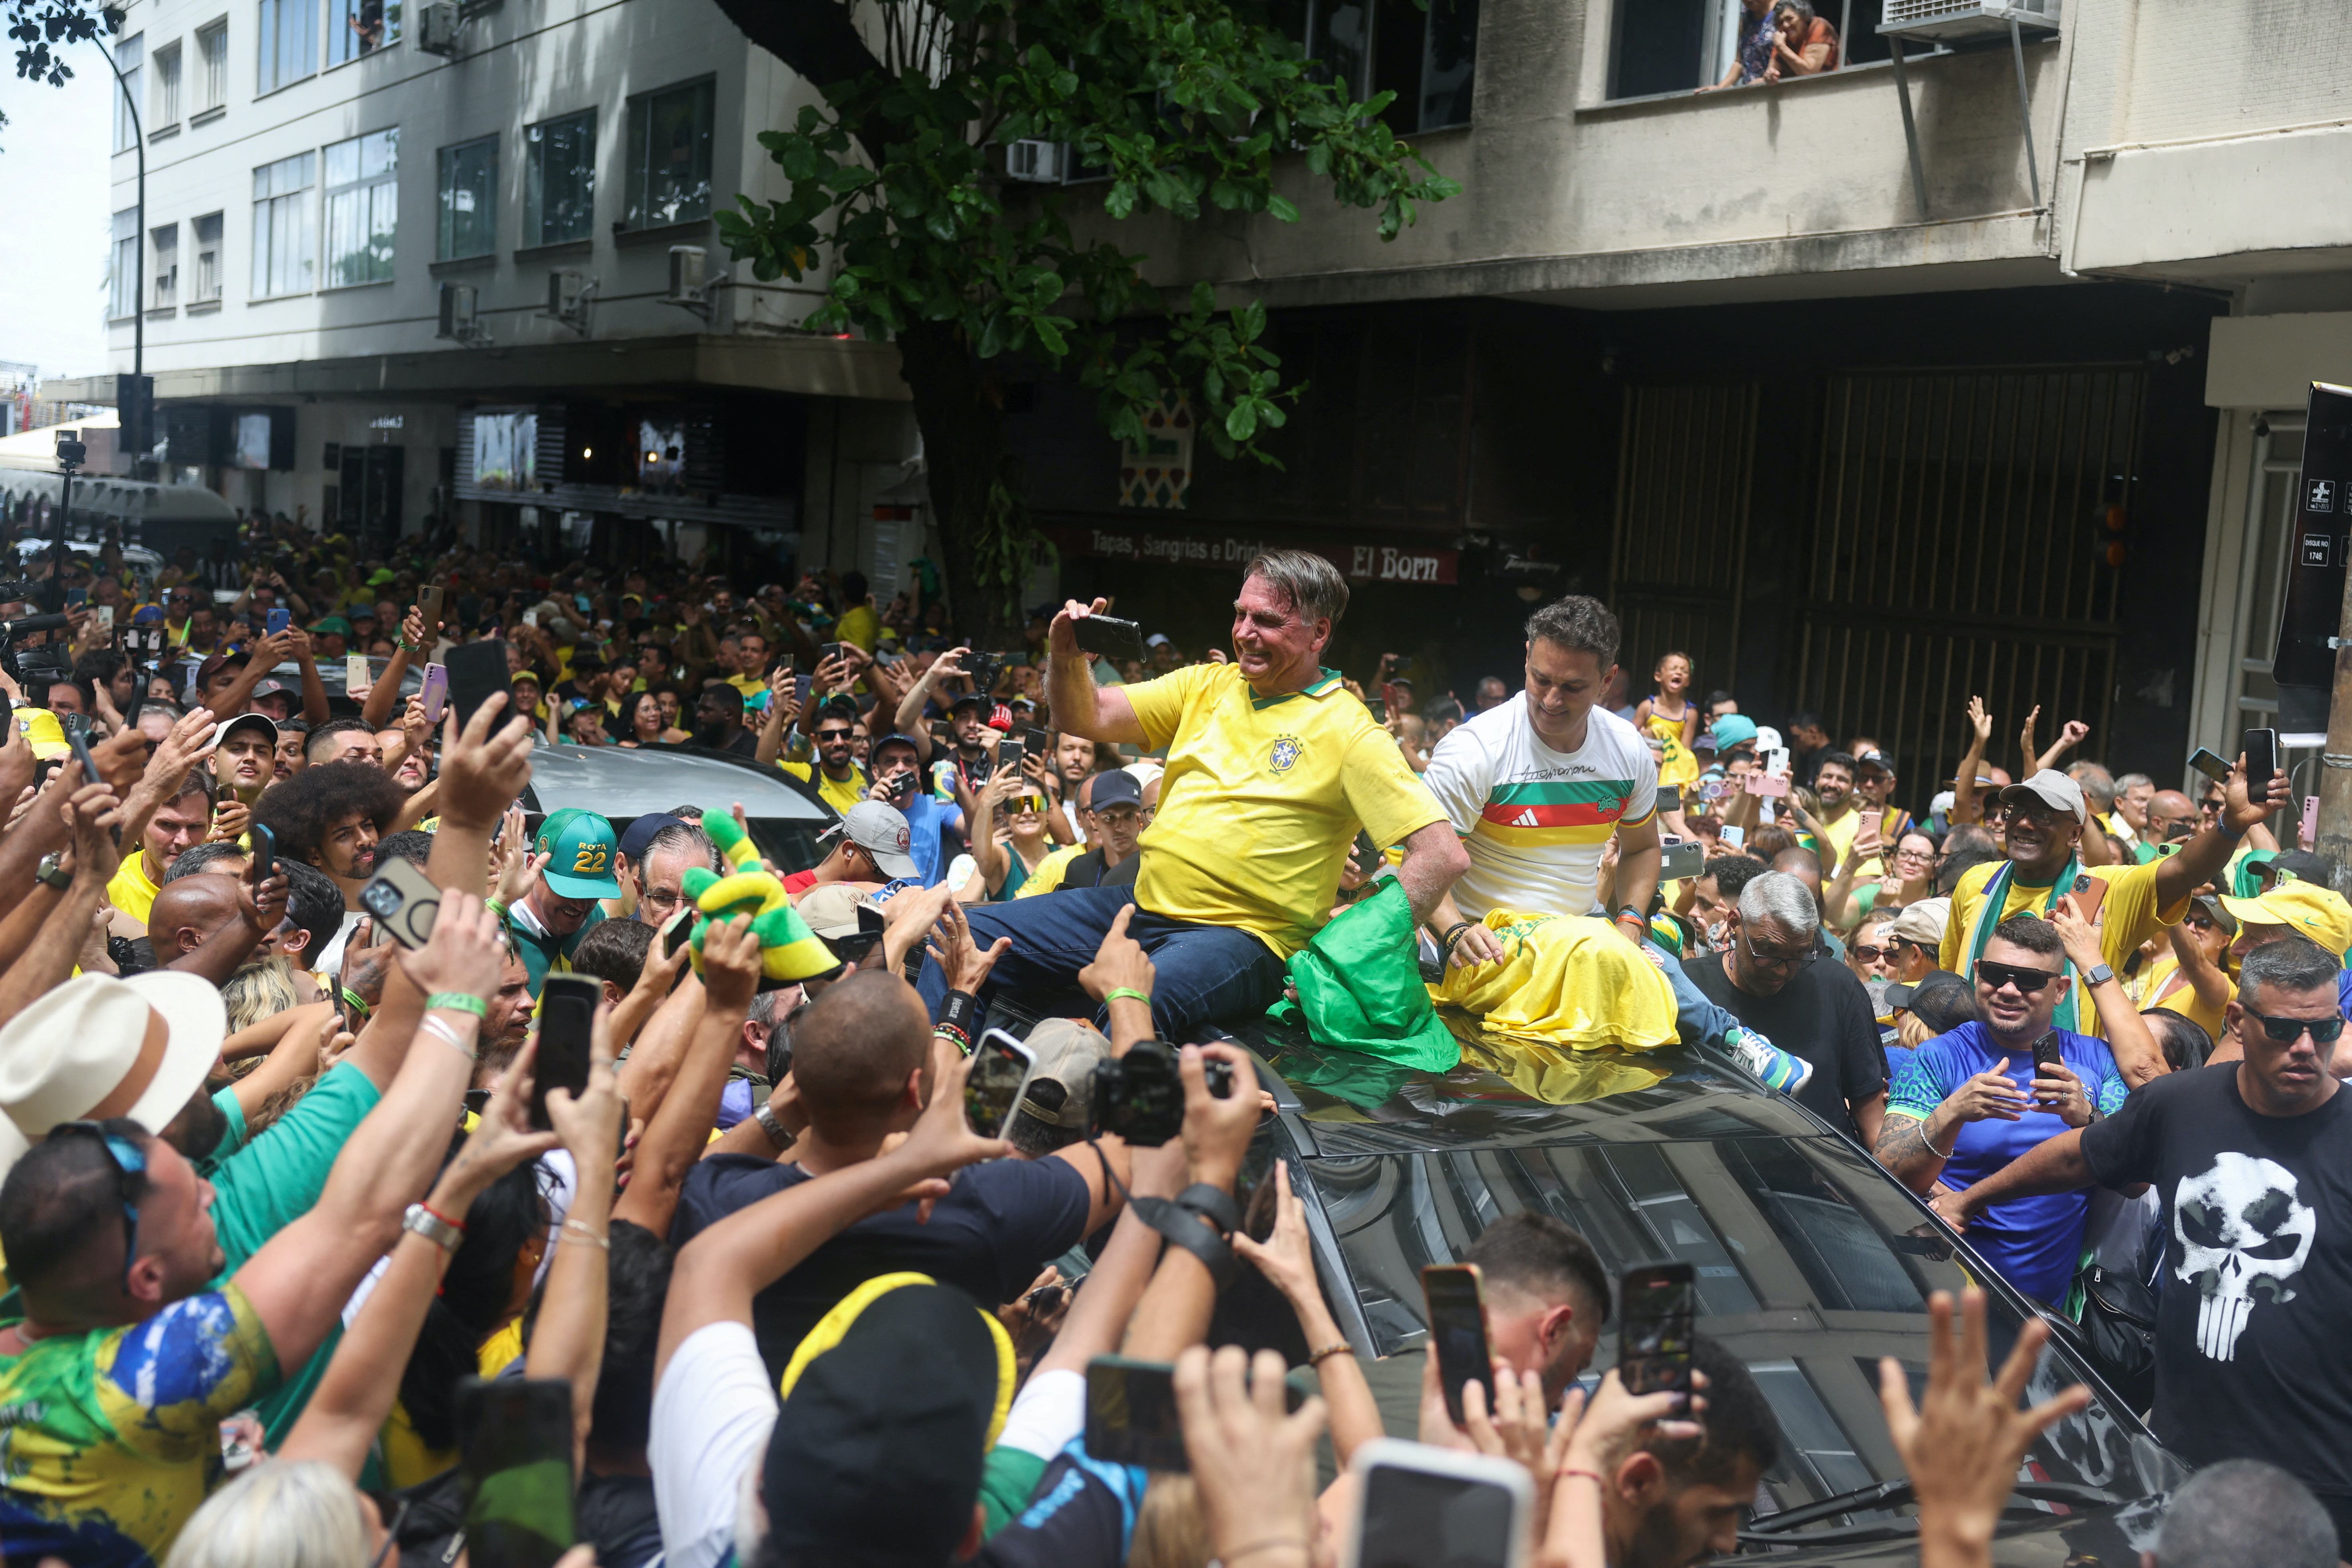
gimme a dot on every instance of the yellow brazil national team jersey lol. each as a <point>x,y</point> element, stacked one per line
<point>1262,800</point>
<point>2127,916</point>
<point>110,1438</point>
<point>838,794</point>
<point>130,891</point>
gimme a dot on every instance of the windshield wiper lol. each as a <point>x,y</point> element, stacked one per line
<point>1889,1494</point>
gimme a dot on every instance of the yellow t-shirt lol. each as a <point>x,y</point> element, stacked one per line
<point>2127,916</point>
<point>1048,877</point>
<point>1678,765</point>
<point>860,625</point>
<point>130,891</point>
<point>1262,799</point>
<point>2149,991</point>
<point>839,795</point>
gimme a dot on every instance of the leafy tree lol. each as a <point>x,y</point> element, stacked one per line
<point>1181,105</point>
<point>42,28</point>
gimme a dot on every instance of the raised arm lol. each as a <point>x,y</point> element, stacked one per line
<point>1075,704</point>
<point>339,1424</point>
<point>314,691</point>
<point>298,1282</point>
<point>680,1127</point>
<point>2130,1041</point>
<point>909,720</point>
<point>781,712</point>
<point>295,1057</point>
<point>1174,1313</point>
<point>413,635</point>
<point>1964,782</point>
<point>2202,857</point>
<point>568,1340</point>
<point>259,908</point>
<point>1288,1261</point>
<point>47,962</point>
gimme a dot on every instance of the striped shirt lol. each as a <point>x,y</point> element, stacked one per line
<point>1533,819</point>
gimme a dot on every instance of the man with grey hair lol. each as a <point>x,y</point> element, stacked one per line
<point>1771,979</point>
<point>1272,765</point>
<point>2242,1513</point>
<point>2248,1160</point>
<point>2133,792</point>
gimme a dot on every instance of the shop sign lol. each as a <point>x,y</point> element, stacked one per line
<point>1230,551</point>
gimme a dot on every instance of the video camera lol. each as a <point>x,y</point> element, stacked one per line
<point>1141,1096</point>
<point>29,666</point>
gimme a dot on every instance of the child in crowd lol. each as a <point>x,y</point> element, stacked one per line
<point>1669,714</point>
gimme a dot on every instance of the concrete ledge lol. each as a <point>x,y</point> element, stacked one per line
<point>2221,209</point>
<point>811,366</point>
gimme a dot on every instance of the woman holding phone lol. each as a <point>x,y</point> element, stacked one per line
<point>648,725</point>
<point>1008,838</point>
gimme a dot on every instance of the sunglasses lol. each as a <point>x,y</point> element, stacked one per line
<point>2029,982</point>
<point>1869,954</point>
<point>2287,1031</point>
<point>128,1162</point>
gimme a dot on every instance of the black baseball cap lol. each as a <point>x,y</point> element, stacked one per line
<point>1942,1000</point>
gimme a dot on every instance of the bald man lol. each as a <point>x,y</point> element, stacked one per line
<point>2172,816</point>
<point>210,923</point>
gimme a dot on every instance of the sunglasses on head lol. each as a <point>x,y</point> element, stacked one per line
<point>2287,1031</point>
<point>2029,982</point>
<point>128,1162</point>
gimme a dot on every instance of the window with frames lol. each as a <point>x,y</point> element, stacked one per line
<point>130,58</point>
<point>560,180</point>
<point>285,225</point>
<point>1421,50</point>
<point>165,268</point>
<point>290,42</point>
<point>212,65</point>
<point>362,197</point>
<point>361,27</point>
<point>205,287</point>
<point>166,108</point>
<point>468,195</point>
<point>669,154</point>
<point>122,297</point>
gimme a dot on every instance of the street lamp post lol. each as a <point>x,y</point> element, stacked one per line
<point>139,264</point>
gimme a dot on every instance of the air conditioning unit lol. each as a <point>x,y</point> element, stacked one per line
<point>458,323</point>
<point>568,294</point>
<point>436,27</point>
<point>691,288</point>
<point>1952,21</point>
<point>1038,162</point>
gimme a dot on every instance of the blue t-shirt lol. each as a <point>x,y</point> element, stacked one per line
<point>2033,1242</point>
<point>927,821</point>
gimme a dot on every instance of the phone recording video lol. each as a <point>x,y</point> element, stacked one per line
<point>1106,637</point>
<point>1457,1332</point>
<point>1000,1075</point>
<point>567,1016</point>
<point>1419,1505</point>
<point>1655,1334</point>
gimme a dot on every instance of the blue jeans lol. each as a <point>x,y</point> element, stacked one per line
<point>1695,1018</point>
<point>1205,973</point>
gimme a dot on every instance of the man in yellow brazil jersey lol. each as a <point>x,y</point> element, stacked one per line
<point>1273,766</point>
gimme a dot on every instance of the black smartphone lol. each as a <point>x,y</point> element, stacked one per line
<point>476,671</point>
<point>1670,797</point>
<point>567,1014</point>
<point>2210,764</point>
<point>1457,1332</point>
<point>429,605</point>
<point>1419,1505</point>
<point>1000,1075</point>
<point>1658,1318</point>
<point>2262,750</point>
<point>1010,753</point>
<point>2048,1052</point>
<point>827,652</point>
<point>1039,741</point>
<point>983,668</point>
<point>902,787</point>
<point>264,852</point>
<point>1107,636</point>
<point>1681,857</point>
<point>681,932</point>
<point>514,1437</point>
<point>1131,1417</point>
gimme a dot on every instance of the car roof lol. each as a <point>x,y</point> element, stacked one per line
<point>625,782</point>
<point>1508,1093</point>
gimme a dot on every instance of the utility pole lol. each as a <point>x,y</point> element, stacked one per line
<point>2323,499</point>
<point>139,266</point>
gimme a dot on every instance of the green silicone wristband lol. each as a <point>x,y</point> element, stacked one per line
<point>458,1002</point>
<point>1116,991</point>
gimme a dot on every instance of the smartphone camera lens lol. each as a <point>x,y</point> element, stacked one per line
<point>381,899</point>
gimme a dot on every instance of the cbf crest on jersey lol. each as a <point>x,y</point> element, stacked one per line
<point>1283,754</point>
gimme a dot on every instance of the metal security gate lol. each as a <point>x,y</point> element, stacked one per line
<point>1685,460</point>
<point>1957,552</point>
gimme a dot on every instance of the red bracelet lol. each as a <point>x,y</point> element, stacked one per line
<point>1592,1476</point>
<point>456,1224</point>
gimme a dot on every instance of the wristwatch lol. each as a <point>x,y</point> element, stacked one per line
<point>773,1125</point>
<point>2097,974</point>
<point>431,1227</point>
<point>52,873</point>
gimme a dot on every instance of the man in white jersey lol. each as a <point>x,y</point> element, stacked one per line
<point>1536,787</point>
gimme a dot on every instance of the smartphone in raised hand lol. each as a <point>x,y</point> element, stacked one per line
<point>1000,1076</point>
<point>2262,750</point>
<point>1456,1306</point>
<point>515,1436</point>
<point>567,1016</point>
<point>1660,1307</point>
<point>1418,1505</point>
<point>2210,764</point>
<point>1132,1415</point>
<point>434,691</point>
<point>1106,637</point>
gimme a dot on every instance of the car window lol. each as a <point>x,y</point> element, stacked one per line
<point>1810,1264</point>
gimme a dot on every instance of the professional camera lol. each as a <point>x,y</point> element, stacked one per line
<point>1141,1096</point>
<point>30,667</point>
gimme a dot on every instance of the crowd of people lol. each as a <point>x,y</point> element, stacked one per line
<point>303,1229</point>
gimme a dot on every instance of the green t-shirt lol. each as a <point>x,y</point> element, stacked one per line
<point>1007,1478</point>
<point>270,1182</point>
<point>232,1138</point>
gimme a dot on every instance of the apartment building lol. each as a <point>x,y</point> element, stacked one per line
<point>456,261</point>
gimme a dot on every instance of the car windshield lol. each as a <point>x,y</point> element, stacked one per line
<point>1810,1265</point>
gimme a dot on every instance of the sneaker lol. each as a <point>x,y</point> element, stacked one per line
<point>1768,1061</point>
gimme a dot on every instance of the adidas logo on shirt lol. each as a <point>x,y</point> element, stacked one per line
<point>1525,819</point>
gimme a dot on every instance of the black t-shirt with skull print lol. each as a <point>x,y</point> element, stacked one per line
<point>2257,1269</point>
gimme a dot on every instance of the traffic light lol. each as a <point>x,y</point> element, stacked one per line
<point>134,406</point>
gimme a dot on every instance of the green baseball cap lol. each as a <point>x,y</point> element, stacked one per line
<point>580,846</point>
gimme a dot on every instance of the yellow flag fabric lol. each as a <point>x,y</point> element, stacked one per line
<point>1568,980</point>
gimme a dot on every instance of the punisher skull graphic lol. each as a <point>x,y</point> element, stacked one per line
<point>2243,1237</point>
